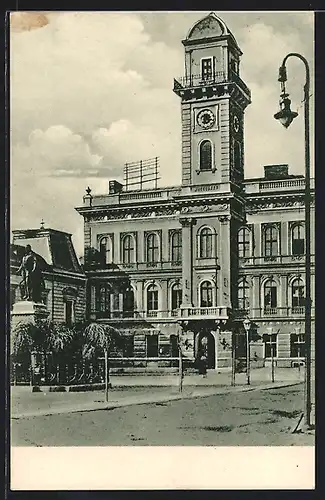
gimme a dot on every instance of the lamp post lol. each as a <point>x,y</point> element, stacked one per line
<point>285,116</point>
<point>247,326</point>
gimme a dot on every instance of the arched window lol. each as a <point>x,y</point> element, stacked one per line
<point>205,155</point>
<point>206,243</point>
<point>270,296</point>
<point>106,249</point>
<point>297,295</point>
<point>298,239</point>
<point>243,241</point>
<point>152,298</point>
<point>128,302</point>
<point>103,292</point>
<point>176,296</point>
<point>128,249</point>
<point>176,243</point>
<point>152,248</point>
<point>271,248</point>
<point>206,294</point>
<point>243,294</point>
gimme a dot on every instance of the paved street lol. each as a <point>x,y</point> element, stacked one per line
<point>258,417</point>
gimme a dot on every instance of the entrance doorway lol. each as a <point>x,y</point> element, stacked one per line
<point>207,347</point>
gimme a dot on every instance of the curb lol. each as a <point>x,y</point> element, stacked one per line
<point>154,399</point>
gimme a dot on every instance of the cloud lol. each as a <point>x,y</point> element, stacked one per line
<point>91,91</point>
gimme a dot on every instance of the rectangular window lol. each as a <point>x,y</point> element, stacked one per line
<point>297,346</point>
<point>174,346</point>
<point>152,300</point>
<point>207,68</point>
<point>152,346</point>
<point>270,343</point>
<point>69,312</point>
<point>128,346</point>
<point>176,298</point>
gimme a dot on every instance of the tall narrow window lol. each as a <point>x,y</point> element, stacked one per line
<point>298,239</point>
<point>106,250</point>
<point>206,243</point>
<point>270,345</point>
<point>152,298</point>
<point>297,345</point>
<point>206,294</point>
<point>176,296</point>
<point>152,346</point>
<point>298,295</point>
<point>128,346</point>
<point>243,242</point>
<point>152,248</point>
<point>270,296</point>
<point>103,298</point>
<point>69,313</point>
<point>243,294</point>
<point>271,241</point>
<point>207,68</point>
<point>128,249</point>
<point>176,241</point>
<point>128,303</point>
<point>205,155</point>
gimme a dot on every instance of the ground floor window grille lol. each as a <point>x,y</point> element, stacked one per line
<point>270,345</point>
<point>297,345</point>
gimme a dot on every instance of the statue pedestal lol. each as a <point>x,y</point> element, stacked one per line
<point>26,311</point>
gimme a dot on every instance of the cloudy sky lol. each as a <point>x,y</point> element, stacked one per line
<point>93,90</point>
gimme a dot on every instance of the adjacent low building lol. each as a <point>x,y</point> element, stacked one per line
<point>65,281</point>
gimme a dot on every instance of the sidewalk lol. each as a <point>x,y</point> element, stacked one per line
<point>25,404</point>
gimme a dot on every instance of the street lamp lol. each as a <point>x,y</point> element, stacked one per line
<point>247,326</point>
<point>285,116</point>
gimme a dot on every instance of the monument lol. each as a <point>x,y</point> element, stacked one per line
<point>32,288</point>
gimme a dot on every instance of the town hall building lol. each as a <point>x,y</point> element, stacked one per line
<point>197,259</point>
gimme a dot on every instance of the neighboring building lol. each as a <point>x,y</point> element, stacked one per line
<point>65,281</point>
<point>199,257</point>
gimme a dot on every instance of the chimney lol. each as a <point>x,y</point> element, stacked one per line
<point>272,172</point>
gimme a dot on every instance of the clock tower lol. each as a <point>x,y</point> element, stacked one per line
<point>213,102</point>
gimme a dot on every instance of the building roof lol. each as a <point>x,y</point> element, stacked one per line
<point>54,247</point>
<point>211,26</point>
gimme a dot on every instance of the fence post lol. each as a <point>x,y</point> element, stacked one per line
<point>180,369</point>
<point>106,375</point>
<point>233,360</point>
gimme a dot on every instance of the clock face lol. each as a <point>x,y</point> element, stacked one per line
<point>206,118</point>
<point>236,123</point>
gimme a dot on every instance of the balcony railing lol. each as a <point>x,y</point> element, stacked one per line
<point>290,184</point>
<point>189,312</point>
<point>275,312</point>
<point>275,259</point>
<point>134,266</point>
<point>199,81</point>
<point>219,312</point>
<point>192,81</point>
<point>136,315</point>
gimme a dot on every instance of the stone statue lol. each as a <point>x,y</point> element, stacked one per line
<point>32,284</point>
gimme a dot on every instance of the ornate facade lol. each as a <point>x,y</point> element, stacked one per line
<point>199,257</point>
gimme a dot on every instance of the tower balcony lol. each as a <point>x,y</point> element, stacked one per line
<point>197,85</point>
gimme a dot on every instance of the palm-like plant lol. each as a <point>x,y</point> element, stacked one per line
<point>43,337</point>
<point>101,338</point>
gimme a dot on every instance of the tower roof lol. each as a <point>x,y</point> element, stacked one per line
<point>211,26</point>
